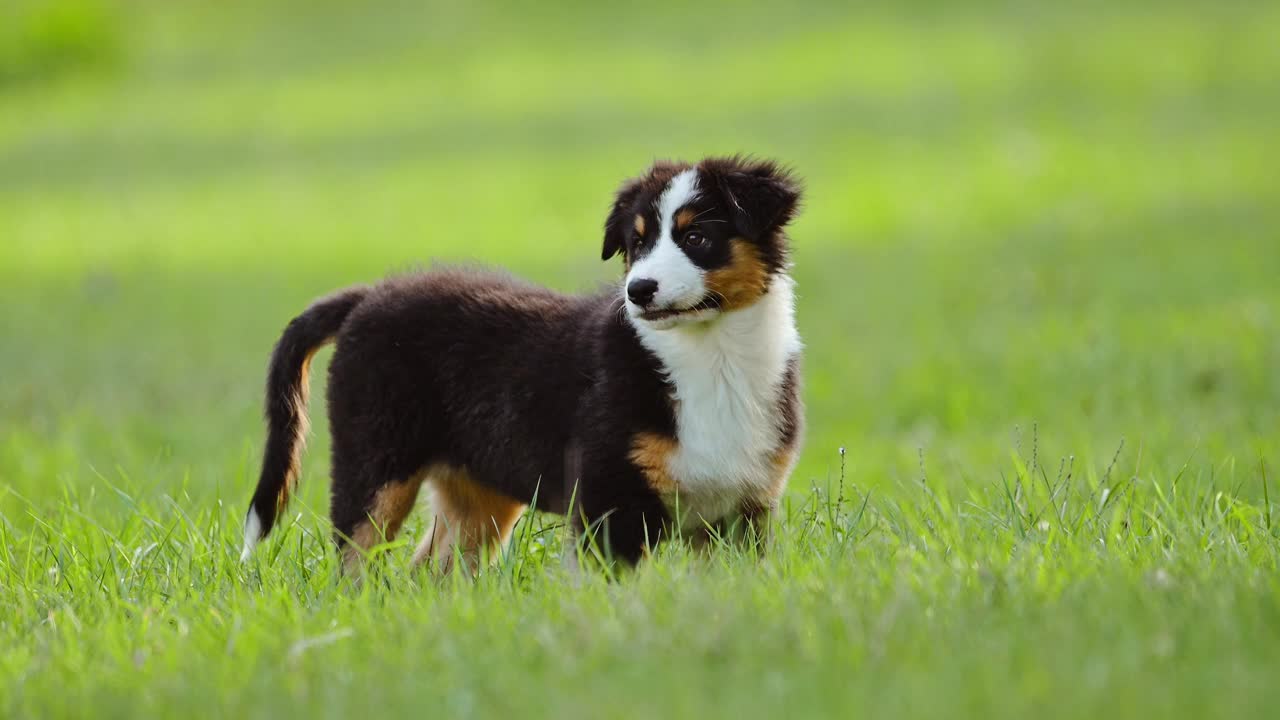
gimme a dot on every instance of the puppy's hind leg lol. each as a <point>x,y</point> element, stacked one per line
<point>367,511</point>
<point>471,522</point>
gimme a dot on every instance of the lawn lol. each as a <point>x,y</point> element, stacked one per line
<point>1039,285</point>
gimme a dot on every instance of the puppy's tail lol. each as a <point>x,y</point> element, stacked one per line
<point>286,407</point>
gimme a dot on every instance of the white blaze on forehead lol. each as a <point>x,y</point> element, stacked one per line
<point>680,282</point>
<point>682,190</point>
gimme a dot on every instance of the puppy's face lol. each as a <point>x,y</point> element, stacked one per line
<point>700,240</point>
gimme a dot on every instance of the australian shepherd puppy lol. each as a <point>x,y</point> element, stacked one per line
<point>667,405</point>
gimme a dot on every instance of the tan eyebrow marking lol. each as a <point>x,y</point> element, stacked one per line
<point>684,218</point>
<point>640,224</point>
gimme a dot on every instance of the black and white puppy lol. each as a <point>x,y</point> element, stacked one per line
<point>672,405</point>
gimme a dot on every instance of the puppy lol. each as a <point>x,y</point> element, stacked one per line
<point>667,405</point>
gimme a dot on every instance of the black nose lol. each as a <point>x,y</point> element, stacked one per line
<point>642,291</point>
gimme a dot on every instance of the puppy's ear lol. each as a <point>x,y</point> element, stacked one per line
<point>618,224</point>
<point>761,196</point>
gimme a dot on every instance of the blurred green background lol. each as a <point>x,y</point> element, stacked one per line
<point>1031,229</point>
<point>1016,213</point>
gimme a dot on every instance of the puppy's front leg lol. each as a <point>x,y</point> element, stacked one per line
<point>748,528</point>
<point>617,508</point>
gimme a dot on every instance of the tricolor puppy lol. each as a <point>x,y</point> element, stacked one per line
<point>671,405</point>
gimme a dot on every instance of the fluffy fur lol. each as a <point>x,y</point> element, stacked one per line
<point>669,405</point>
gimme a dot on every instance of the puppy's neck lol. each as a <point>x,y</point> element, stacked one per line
<point>747,345</point>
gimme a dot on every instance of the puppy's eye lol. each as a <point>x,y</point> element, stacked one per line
<point>694,239</point>
<point>637,239</point>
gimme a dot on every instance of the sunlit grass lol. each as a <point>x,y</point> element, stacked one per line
<point>902,599</point>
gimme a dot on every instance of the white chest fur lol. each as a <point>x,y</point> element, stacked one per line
<point>727,376</point>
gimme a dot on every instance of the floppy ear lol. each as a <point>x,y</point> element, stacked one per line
<point>761,196</point>
<point>618,223</point>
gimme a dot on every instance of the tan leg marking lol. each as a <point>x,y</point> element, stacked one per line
<point>650,452</point>
<point>471,521</point>
<point>391,505</point>
<point>743,280</point>
<point>784,461</point>
<point>754,529</point>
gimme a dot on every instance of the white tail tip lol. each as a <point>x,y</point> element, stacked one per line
<point>252,534</point>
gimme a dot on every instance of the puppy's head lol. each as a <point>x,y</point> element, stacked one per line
<point>700,240</point>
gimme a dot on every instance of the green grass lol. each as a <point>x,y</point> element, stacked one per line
<point>1039,277</point>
